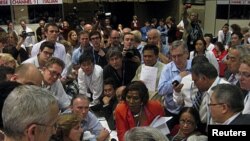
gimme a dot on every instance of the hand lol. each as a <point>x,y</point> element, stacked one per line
<point>101,53</point>
<point>183,73</point>
<point>106,100</point>
<point>104,134</point>
<point>178,87</point>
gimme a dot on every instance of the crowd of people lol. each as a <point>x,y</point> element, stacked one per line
<point>56,86</point>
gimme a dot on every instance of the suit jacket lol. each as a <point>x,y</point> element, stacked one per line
<point>241,119</point>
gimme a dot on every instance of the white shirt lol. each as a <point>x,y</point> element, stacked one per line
<point>204,109</point>
<point>59,53</point>
<point>246,109</point>
<point>210,47</point>
<point>29,40</point>
<point>32,60</point>
<point>211,58</point>
<point>93,82</point>
<point>60,94</point>
<point>188,92</point>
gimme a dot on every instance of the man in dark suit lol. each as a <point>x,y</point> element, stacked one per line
<point>226,105</point>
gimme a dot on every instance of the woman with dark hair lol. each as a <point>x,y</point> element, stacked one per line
<point>189,126</point>
<point>200,49</point>
<point>135,109</point>
<point>220,53</point>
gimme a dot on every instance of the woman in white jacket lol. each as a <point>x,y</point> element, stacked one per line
<point>200,49</point>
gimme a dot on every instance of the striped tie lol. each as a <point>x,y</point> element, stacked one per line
<point>197,101</point>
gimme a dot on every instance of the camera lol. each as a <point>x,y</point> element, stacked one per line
<point>24,34</point>
<point>130,53</point>
<point>175,83</point>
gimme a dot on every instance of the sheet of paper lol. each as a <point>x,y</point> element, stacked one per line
<point>148,76</point>
<point>161,124</point>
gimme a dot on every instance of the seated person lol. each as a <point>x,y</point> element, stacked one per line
<point>108,102</point>
<point>90,78</point>
<point>189,122</point>
<point>89,122</point>
<point>144,134</point>
<point>69,128</point>
<point>136,109</point>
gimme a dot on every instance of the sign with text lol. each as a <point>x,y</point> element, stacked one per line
<point>4,2</point>
<point>49,1</point>
<point>23,2</point>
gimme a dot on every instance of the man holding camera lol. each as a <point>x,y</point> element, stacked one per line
<point>28,34</point>
<point>129,51</point>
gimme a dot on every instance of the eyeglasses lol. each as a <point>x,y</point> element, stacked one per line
<point>55,125</point>
<point>187,122</point>
<point>244,74</point>
<point>54,73</point>
<point>214,104</point>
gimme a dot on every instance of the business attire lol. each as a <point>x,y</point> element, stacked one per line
<point>241,119</point>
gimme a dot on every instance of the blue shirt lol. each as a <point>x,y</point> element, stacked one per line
<point>169,74</point>
<point>77,53</point>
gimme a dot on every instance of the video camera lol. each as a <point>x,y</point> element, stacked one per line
<point>24,34</point>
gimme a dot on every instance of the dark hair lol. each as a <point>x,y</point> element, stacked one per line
<point>140,87</point>
<point>192,112</point>
<point>204,45</point>
<point>110,81</point>
<point>220,46</point>
<point>230,95</point>
<point>47,44</point>
<point>48,25</point>
<point>238,34</point>
<point>54,60</point>
<point>199,60</point>
<point>206,69</point>
<point>4,70</point>
<point>151,47</point>
<point>94,32</point>
<point>86,57</point>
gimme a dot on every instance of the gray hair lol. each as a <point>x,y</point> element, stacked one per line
<point>230,95</point>
<point>155,31</point>
<point>242,50</point>
<point>144,134</point>
<point>25,105</point>
<point>179,43</point>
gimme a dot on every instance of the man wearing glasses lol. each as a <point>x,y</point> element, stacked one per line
<point>46,51</point>
<point>226,105</point>
<point>244,73</point>
<point>51,81</point>
<point>30,113</point>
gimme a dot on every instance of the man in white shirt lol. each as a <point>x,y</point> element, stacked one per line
<point>51,74</point>
<point>51,32</point>
<point>90,78</point>
<point>46,51</point>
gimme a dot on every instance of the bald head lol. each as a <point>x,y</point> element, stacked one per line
<point>28,74</point>
<point>88,27</point>
<point>154,36</point>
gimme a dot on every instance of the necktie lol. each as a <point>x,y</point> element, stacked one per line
<point>197,101</point>
<point>232,79</point>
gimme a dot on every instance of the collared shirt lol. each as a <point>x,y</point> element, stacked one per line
<point>29,40</point>
<point>204,109</point>
<point>228,121</point>
<point>93,83</point>
<point>59,52</point>
<point>169,74</point>
<point>77,53</point>
<point>60,94</point>
<point>159,67</point>
<point>246,109</point>
<point>33,60</point>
